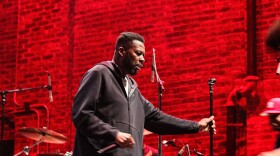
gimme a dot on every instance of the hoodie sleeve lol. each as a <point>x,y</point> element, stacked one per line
<point>162,123</point>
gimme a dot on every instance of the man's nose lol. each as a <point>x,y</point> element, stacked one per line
<point>142,59</point>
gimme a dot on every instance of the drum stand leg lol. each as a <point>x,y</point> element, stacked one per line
<point>26,149</point>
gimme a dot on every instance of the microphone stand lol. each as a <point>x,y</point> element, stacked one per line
<point>3,102</point>
<point>211,83</point>
<point>160,90</point>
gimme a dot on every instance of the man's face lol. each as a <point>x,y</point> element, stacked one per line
<point>275,121</point>
<point>134,58</point>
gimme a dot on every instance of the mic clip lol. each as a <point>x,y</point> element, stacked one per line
<point>211,81</point>
<point>49,87</point>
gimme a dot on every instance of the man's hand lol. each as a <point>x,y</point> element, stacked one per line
<point>204,124</point>
<point>124,140</point>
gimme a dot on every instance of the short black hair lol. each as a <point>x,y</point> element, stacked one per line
<point>125,39</point>
<point>273,35</point>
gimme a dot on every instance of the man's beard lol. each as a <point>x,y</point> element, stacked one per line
<point>130,67</point>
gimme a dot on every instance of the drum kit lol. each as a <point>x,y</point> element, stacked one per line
<point>42,135</point>
<point>49,136</point>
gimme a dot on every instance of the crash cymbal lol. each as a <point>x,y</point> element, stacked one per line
<point>47,136</point>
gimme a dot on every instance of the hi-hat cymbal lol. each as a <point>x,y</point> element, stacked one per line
<point>43,134</point>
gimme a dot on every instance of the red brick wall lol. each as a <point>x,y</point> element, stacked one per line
<point>194,41</point>
<point>42,33</point>
<point>260,136</point>
<point>8,44</point>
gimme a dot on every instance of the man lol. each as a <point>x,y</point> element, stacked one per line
<point>109,109</point>
<point>273,112</point>
<point>272,40</point>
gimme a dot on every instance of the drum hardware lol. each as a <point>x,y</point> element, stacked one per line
<point>68,153</point>
<point>3,102</point>
<point>185,147</point>
<point>56,154</point>
<point>26,149</point>
<point>197,153</point>
<point>40,135</point>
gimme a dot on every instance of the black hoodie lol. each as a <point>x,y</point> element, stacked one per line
<point>102,108</point>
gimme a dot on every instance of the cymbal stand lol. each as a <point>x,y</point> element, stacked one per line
<point>26,149</point>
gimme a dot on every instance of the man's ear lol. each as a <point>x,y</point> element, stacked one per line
<point>121,51</point>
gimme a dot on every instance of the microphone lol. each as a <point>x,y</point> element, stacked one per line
<point>170,142</point>
<point>153,66</point>
<point>107,148</point>
<point>50,87</point>
<point>278,67</point>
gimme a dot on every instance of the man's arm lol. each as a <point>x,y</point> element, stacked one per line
<point>162,123</point>
<point>84,108</point>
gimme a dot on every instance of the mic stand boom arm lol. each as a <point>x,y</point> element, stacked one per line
<point>3,102</point>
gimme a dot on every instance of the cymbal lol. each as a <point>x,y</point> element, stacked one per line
<point>43,134</point>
